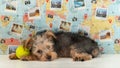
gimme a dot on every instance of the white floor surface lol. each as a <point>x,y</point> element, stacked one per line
<point>103,61</point>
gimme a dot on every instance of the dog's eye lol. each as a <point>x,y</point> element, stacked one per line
<point>48,47</point>
<point>39,51</point>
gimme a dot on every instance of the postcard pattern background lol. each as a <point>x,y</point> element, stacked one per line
<point>98,19</point>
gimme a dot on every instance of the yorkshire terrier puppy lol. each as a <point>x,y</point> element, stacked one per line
<point>48,45</point>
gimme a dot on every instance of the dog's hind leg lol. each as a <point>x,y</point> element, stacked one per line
<point>79,55</point>
<point>95,52</point>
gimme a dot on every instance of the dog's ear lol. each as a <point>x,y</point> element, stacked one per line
<point>49,34</point>
<point>28,43</point>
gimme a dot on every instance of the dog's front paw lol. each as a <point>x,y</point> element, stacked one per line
<point>28,58</point>
<point>13,56</point>
<point>24,58</point>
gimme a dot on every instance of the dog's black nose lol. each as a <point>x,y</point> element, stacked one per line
<point>49,58</point>
<point>82,60</point>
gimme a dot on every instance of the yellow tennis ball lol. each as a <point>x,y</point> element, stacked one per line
<point>20,51</point>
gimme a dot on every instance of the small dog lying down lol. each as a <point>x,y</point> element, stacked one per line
<point>48,46</point>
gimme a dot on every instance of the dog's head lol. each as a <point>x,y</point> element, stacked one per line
<point>42,46</point>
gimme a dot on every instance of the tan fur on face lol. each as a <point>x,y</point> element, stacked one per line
<point>43,44</point>
<point>52,54</point>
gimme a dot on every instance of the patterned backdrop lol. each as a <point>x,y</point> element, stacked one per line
<point>98,19</point>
